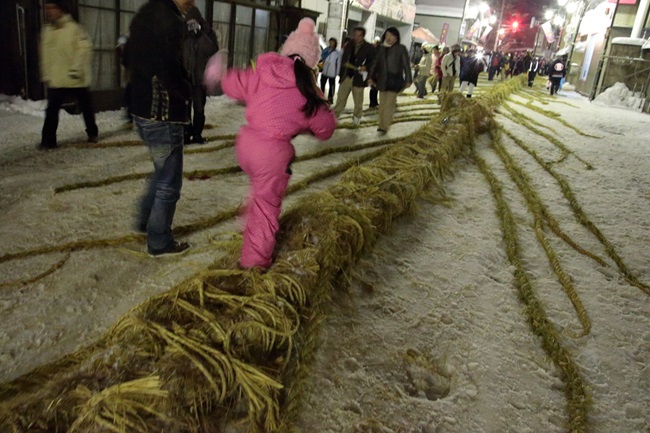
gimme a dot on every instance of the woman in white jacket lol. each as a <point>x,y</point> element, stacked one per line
<point>331,67</point>
<point>450,69</point>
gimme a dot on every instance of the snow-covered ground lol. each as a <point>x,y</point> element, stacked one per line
<point>431,335</point>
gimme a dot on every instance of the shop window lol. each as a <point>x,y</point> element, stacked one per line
<point>261,36</point>
<point>100,22</point>
<point>221,22</point>
<point>242,43</point>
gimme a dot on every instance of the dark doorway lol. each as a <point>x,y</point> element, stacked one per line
<point>19,48</point>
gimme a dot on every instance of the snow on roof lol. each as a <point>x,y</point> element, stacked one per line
<point>628,41</point>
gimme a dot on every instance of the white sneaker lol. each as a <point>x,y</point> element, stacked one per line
<point>356,120</point>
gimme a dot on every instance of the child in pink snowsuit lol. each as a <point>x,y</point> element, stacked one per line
<point>282,101</point>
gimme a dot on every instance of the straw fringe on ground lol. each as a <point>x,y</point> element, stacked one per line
<point>228,341</point>
<point>232,346</point>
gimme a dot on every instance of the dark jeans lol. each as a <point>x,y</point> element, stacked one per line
<point>332,85</point>
<point>531,78</point>
<point>373,96</point>
<point>199,95</point>
<point>158,204</point>
<point>555,84</point>
<point>127,102</point>
<point>421,85</point>
<point>492,72</point>
<point>55,98</point>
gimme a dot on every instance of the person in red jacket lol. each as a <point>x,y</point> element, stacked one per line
<point>282,100</point>
<point>438,67</point>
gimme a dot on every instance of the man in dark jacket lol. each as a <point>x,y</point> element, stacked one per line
<point>555,74</point>
<point>161,93</point>
<point>532,71</point>
<point>200,45</point>
<point>357,60</point>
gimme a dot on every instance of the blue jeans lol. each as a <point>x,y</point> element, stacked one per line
<point>158,204</point>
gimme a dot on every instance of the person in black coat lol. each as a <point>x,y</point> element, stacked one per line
<point>200,44</point>
<point>390,74</point>
<point>161,93</point>
<point>358,57</point>
<point>532,71</point>
<point>471,66</point>
<point>556,72</point>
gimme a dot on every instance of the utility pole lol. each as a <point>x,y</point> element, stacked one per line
<point>496,39</point>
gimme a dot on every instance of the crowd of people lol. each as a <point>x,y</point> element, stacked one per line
<point>168,84</point>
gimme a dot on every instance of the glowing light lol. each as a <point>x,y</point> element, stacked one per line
<point>515,25</point>
<point>502,31</point>
<point>572,7</point>
<point>558,20</point>
<point>493,19</point>
<point>484,7</point>
<point>562,2</point>
<point>548,14</point>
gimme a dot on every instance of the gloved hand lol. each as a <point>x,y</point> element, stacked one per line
<point>215,70</point>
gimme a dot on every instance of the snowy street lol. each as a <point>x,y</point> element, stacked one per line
<point>431,336</point>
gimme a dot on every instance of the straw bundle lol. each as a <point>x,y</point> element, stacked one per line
<point>229,344</point>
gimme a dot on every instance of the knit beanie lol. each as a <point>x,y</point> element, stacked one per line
<point>303,42</point>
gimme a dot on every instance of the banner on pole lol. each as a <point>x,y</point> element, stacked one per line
<point>486,32</point>
<point>548,32</point>
<point>443,33</point>
<point>475,28</point>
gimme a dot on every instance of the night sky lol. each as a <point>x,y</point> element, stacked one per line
<point>524,10</point>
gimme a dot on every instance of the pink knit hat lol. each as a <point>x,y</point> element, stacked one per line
<point>304,42</point>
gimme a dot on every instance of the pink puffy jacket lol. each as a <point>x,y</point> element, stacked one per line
<point>273,102</point>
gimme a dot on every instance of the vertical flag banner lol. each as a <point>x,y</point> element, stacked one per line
<point>443,33</point>
<point>486,32</point>
<point>475,28</point>
<point>548,32</point>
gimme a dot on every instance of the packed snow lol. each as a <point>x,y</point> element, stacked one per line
<point>430,337</point>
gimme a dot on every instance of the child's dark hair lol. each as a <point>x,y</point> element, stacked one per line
<point>307,86</point>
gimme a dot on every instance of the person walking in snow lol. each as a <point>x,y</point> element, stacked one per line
<point>557,71</point>
<point>438,67</point>
<point>356,61</point>
<point>470,69</point>
<point>200,44</point>
<point>450,69</point>
<point>532,71</point>
<point>433,78</point>
<point>282,100</point>
<point>374,93</point>
<point>424,70</point>
<point>161,93</point>
<point>331,67</point>
<point>391,74</point>
<point>65,58</point>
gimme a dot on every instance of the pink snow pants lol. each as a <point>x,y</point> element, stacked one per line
<point>266,162</point>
